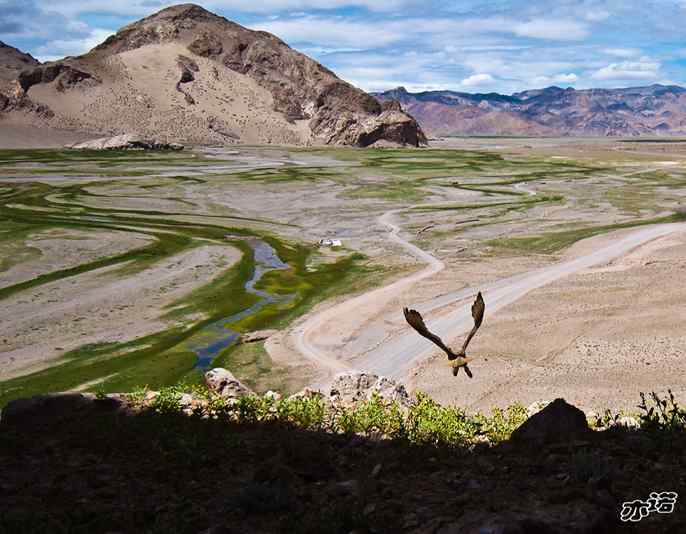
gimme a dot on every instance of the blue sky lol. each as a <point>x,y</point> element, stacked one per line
<point>469,45</point>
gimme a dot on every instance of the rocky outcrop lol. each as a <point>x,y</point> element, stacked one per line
<point>350,388</point>
<point>126,142</point>
<point>12,63</point>
<point>258,335</point>
<point>188,68</point>
<point>66,76</point>
<point>391,126</point>
<point>225,384</point>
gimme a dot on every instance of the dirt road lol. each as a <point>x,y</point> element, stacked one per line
<point>399,353</point>
<point>307,336</point>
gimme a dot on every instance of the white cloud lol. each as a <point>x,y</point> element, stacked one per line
<point>597,16</point>
<point>643,69</point>
<point>622,52</point>
<point>330,32</point>
<point>60,48</point>
<point>560,30</point>
<point>477,79</point>
<point>564,79</point>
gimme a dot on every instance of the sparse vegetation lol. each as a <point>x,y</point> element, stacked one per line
<point>556,241</point>
<point>426,422</point>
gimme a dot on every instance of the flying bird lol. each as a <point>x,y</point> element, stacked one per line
<point>457,359</point>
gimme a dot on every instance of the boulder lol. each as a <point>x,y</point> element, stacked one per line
<point>258,335</point>
<point>126,142</point>
<point>536,407</point>
<point>225,384</point>
<point>558,421</point>
<point>351,388</point>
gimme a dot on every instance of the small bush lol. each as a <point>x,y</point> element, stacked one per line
<point>308,413</point>
<point>661,413</point>
<point>167,401</point>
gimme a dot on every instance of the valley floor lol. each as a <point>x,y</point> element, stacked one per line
<point>113,266</point>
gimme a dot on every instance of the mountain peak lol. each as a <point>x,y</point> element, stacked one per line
<point>13,57</point>
<point>12,62</point>
<point>181,12</point>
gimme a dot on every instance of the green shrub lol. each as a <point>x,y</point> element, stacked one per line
<point>167,401</point>
<point>661,413</point>
<point>307,413</point>
<point>430,423</point>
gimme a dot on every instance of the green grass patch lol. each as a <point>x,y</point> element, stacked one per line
<point>555,241</point>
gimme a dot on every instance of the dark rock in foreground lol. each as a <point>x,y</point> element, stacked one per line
<point>558,421</point>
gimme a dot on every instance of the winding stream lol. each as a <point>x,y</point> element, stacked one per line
<point>217,336</point>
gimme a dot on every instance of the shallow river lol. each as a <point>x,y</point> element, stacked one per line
<point>217,336</point>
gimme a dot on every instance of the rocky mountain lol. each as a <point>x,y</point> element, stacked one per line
<point>651,110</point>
<point>187,75</point>
<point>12,61</point>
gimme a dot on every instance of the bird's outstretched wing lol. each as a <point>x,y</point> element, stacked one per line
<point>414,319</point>
<point>478,309</point>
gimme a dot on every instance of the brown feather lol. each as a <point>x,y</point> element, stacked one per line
<point>478,309</point>
<point>414,319</point>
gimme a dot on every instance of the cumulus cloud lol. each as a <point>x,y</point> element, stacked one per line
<point>476,80</point>
<point>563,79</point>
<point>628,70</point>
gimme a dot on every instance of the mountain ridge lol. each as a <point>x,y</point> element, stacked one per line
<point>643,110</point>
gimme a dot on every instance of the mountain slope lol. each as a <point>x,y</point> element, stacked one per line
<point>185,74</point>
<point>12,62</point>
<point>651,110</point>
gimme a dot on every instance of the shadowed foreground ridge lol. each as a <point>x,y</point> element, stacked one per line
<point>79,463</point>
<point>187,75</point>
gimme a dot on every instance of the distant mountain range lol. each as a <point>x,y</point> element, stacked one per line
<point>652,110</point>
<point>187,75</point>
